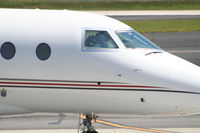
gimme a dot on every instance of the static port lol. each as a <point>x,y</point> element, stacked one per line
<point>142,100</point>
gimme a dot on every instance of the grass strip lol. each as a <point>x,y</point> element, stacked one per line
<point>182,25</point>
<point>103,5</point>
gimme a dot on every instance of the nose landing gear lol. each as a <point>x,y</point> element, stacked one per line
<point>88,120</point>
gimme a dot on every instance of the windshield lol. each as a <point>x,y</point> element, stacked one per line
<point>133,39</point>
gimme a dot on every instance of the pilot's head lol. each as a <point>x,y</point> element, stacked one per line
<point>101,37</point>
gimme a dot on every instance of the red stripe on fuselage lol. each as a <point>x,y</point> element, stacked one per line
<point>83,85</point>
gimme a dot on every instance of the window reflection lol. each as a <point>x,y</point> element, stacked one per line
<point>132,39</point>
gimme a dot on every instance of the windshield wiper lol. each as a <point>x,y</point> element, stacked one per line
<point>155,52</point>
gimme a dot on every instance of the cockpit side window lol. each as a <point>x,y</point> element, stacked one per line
<point>99,40</point>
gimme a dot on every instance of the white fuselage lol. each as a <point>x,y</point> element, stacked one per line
<point>78,80</point>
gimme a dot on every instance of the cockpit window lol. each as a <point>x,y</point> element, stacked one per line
<point>133,39</point>
<point>98,40</point>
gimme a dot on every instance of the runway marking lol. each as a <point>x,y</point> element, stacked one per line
<point>128,127</point>
<point>133,128</point>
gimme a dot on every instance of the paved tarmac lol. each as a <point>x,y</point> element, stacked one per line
<point>153,17</point>
<point>169,130</point>
<point>148,12</point>
<point>39,123</point>
<point>183,44</point>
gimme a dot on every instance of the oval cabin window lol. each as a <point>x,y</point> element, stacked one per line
<point>8,50</point>
<point>43,51</point>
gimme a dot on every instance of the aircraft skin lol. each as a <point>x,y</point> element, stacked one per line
<point>74,79</point>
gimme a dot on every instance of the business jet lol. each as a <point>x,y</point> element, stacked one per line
<point>79,62</point>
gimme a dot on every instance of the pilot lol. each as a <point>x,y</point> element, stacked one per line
<point>90,41</point>
<point>101,40</point>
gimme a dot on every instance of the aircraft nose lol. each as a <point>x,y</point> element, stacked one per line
<point>184,82</point>
<point>173,72</point>
<point>184,75</point>
<point>188,79</point>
